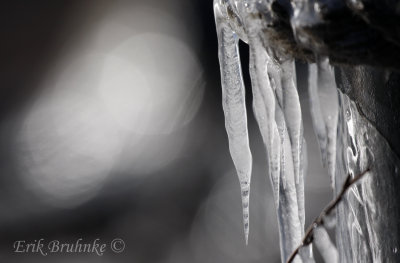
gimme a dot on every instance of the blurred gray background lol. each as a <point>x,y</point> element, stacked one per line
<point>111,126</point>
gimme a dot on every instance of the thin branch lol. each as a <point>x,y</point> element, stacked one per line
<point>309,235</point>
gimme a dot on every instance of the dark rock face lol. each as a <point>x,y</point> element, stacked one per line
<point>367,228</point>
<point>351,32</point>
<point>377,94</point>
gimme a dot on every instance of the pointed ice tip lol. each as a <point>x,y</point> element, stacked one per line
<point>245,204</point>
<point>246,231</point>
<point>246,224</point>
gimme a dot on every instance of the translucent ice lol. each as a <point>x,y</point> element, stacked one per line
<point>278,113</point>
<point>324,110</point>
<point>234,106</point>
<point>276,108</point>
<point>348,142</point>
<point>325,246</point>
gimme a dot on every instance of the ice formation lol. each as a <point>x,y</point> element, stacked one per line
<point>324,110</point>
<point>234,105</point>
<point>326,248</point>
<point>277,111</point>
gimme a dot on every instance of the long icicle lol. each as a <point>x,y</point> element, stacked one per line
<point>292,112</point>
<point>264,111</point>
<point>329,98</point>
<point>277,110</point>
<point>288,211</point>
<point>292,193</point>
<point>234,106</point>
<point>322,90</point>
<point>284,176</point>
<point>315,109</point>
<point>294,123</point>
<point>293,119</point>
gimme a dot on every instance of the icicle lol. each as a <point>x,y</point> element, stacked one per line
<point>284,82</point>
<point>300,184</point>
<point>293,119</point>
<point>272,123</point>
<point>330,110</point>
<point>264,110</point>
<point>324,110</point>
<point>277,110</point>
<point>315,108</point>
<point>234,105</point>
<point>292,112</point>
<point>288,211</point>
<point>325,247</point>
<point>281,128</point>
<point>307,252</point>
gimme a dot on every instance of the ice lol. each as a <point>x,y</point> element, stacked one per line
<point>348,142</point>
<point>280,122</point>
<point>325,246</point>
<point>273,129</point>
<point>293,120</point>
<point>280,125</point>
<point>324,110</point>
<point>315,108</point>
<point>264,106</point>
<point>277,110</point>
<point>292,112</point>
<point>234,106</point>
<point>359,219</point>
<point>300,184</point>
<point>288,212</point>
<point>264,111</point>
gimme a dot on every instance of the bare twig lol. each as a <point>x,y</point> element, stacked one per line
<point>309,235</point>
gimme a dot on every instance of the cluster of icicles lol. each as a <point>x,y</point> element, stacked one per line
<point>277,110</point>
